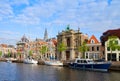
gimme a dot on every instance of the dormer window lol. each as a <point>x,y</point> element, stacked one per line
<point>92,41</point>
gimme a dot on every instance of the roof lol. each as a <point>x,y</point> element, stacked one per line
<point>114,32</point>
<point>94,39</point>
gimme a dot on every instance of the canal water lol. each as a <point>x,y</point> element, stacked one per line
<point>29,72</point>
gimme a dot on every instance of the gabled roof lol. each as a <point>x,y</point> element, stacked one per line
<point>93,40</point>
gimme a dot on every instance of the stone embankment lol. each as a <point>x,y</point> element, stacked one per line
<point>115,66</point>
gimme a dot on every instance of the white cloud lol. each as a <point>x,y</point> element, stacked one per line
<point>9,32</point>
<point>5,10</point>
<point>19,2</point>
<point>91,14</point>
<point>23,19</point>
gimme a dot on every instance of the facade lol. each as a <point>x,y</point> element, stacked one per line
<point>106,34</point>
<point>72,39</point>
<point>22,47</point>
<point>113,55</point>
<point>95,49</point>
<point>7,49</point>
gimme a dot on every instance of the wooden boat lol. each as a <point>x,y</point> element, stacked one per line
<point>89,64</point>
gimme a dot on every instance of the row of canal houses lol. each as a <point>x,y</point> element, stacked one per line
<point>72,40</point>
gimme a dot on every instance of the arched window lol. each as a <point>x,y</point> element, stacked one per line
<point>92,41</point>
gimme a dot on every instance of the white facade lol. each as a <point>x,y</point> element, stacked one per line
<point>115,56</point>
<point>96,53</point>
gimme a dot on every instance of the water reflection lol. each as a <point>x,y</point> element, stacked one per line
<point>28,72</point>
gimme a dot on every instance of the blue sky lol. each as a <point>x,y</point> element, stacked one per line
<point>31,17</point>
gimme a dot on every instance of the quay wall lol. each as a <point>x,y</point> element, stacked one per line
<point>114,67</point>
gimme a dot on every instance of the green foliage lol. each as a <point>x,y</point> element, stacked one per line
<point>9,53</point>
<point>83,48</point>
<point>30,53</point>
<point>18,53</point>
<point>0,53</point>
<point>61,47</point>
<point>113,43</point>
<point>43,50</point>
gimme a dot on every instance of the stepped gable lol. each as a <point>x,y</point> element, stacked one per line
<point>114,32</point>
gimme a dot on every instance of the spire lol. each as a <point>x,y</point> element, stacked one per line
<point>45,35</point>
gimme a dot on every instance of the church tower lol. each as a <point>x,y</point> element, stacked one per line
<point>45,35</point>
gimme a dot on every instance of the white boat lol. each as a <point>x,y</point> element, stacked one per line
<point>54,63</point>
<point>30,61</point>
<point>9,61</point>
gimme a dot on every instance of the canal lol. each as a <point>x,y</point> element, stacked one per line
<point>28,72</point>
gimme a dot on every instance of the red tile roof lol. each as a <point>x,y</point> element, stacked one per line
<point>93,38</point>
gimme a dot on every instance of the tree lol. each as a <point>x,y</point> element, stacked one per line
<point>30,53</point>
<point>112,44</point>
<point>61,47</point>
<point>0,53</point>
<point>19,55</point>
<point>43,50</point>
<point>83,48</point>
<point>9,53</point>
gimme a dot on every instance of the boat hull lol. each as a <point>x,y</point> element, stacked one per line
<point>96,67</point>
<point>27,61</point>
<point>54,63</point>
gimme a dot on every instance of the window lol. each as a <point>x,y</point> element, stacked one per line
<point>108,48</point>
<point>78,61</point>
<point>113,49</point>
<point>92,41</point>
<point>118,49</point>
<point>85,61</point>
<point>92,48</point>
<point>98,49</point>
<point>68,42</point>
<point>116,42</point>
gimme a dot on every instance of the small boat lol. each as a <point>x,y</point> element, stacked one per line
<point>89,64</point>
<point>54,63</point>
<point>9,61</point>
<point>30,61</point>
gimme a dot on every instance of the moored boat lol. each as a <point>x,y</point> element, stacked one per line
<point>9,60</point>
<point>89,64</point>
<point>53,63</point>
<point>30,61</point>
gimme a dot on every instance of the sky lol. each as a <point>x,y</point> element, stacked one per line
<point>31,17</point>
